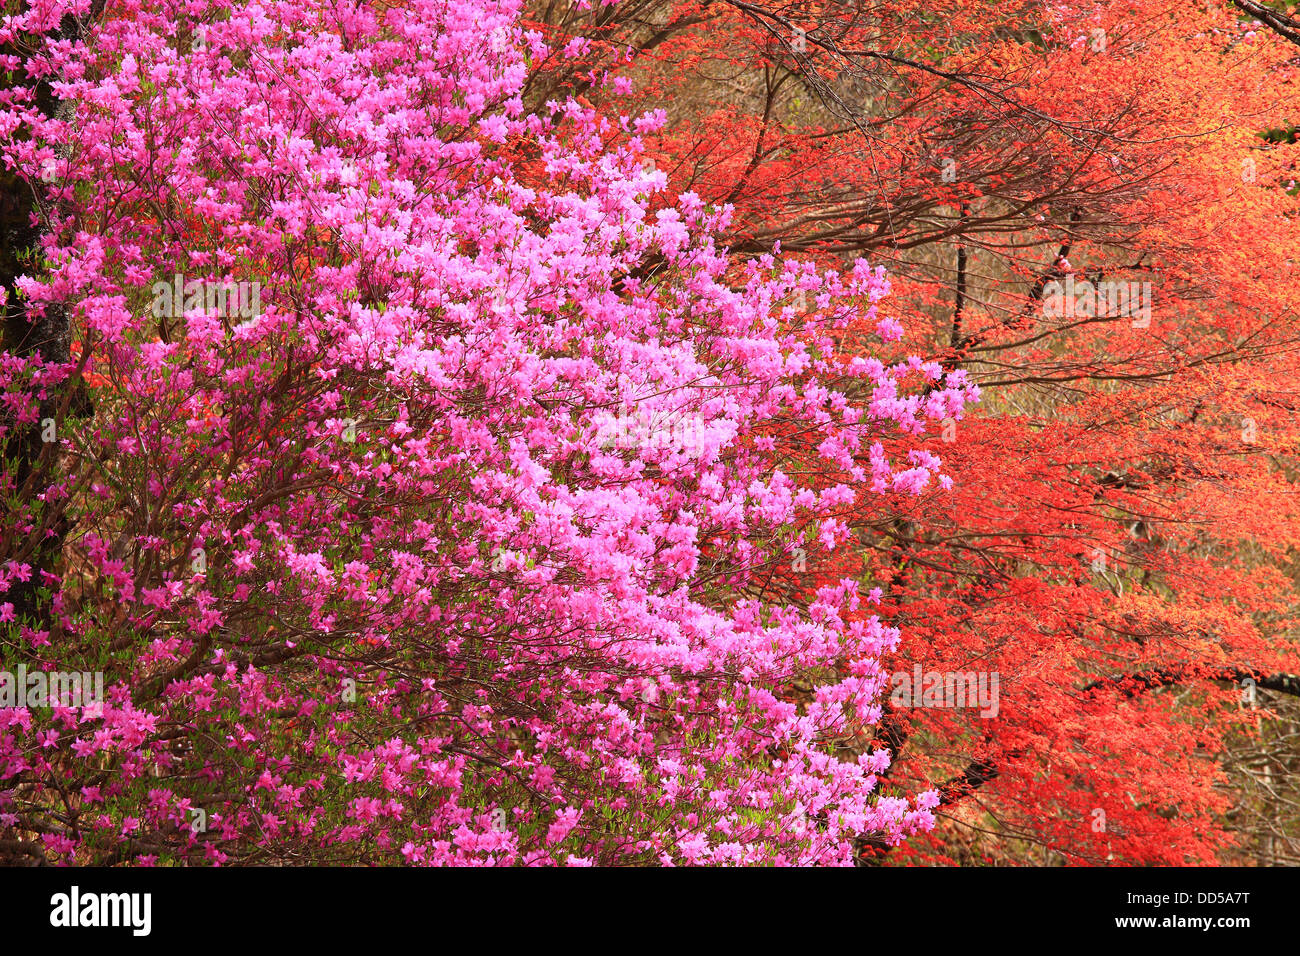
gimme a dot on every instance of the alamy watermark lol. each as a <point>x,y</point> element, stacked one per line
<point>1102,299</point>
<point>23,688</point>
<point>223,298</point>
<point>76,909</point>
<point>666,431</point>
<point>921,688</point>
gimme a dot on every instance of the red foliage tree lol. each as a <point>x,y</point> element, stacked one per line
<point>1091,209</point>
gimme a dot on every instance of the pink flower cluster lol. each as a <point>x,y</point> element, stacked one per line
<point>376,586</point>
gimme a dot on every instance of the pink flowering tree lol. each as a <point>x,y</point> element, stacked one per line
<point>414,481</point>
